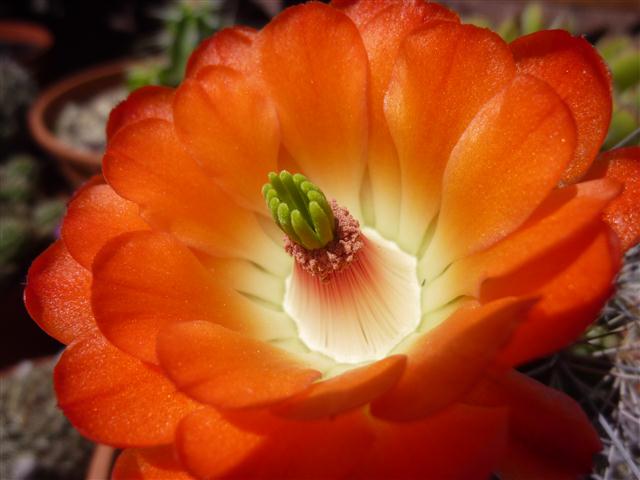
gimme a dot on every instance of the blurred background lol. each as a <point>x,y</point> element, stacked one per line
<point>64,64</point>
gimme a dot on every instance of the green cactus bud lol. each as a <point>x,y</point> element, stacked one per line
<point>46,216</point>
<point>625,69</point>
<point>532,18</point>
<point>611,47</point>
<point>18,178</point>
<point>300,209</point>
<point>14,236</point>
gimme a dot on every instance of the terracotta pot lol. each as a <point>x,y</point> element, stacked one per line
<point>25,41</point>
<point>76,164</point>
<point>101,463</point>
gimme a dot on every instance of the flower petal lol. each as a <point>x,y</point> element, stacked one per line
<point>383,26</point>
<point>519,463</point>
<point>443,76</point>
<point>449,360</point>
<point>225,369</point>
<point>505,164</point>
<point>146,102</point>
<point>623,214</point>
<point>577,73</point>
<point>563,216</point>
<point>542,419</point>
<point>459,443</point>
<point>572,291</point>
<point>95,216</point>
<point>116,399</point>
<point>157,463</point>
<point>352,389</point>
<point>146,280</point>
<point>315,67</point>
<point>232,130</point>
<point>231,47</point>
<point>147,164</point>
<point>58,293</point>
<point>254,444</point>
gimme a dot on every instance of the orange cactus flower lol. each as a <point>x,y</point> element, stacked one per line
<point>473,229</point>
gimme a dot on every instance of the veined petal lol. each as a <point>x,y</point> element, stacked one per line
<point>623,214</point>
<point>145,280</point>
<point>383,25</point>
<point>572,291</point>
<point>255,444</point>
<point>563,216</point>
<point>459,443</point>
<point>95,216</point>
<point>444,74</point>
<point>460,348</point>
<point>545,421</point>
<point>508,160</point>
<point>349,390</point>
<point>232,47</point>
<point>156,463</point>
<point>225,369</point>
<point>577,73</point>
<point>146,102</point>
<point>116,399</point>
<point>58,294</point>
<point>320,93</point>
<point>231,129</point>
<point>147,164</point>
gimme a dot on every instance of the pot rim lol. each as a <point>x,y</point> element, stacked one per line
<point>36,116</point>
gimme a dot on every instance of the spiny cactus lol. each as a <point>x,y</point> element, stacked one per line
<point>621,52</point>
<point>38,442</point>
<point>27,218</point>
<point>17,90</point>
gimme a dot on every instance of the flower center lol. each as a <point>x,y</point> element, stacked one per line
<point>352,294</point>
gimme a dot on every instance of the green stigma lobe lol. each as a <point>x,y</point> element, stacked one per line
<point>300,209</point>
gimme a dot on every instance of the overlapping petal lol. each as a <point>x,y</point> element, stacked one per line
<point>459,443</point>
<point>520,463</point>
<point>231,129</point>
<point>58,294</point>
<point>545,421</point>
<point>508,160</point>
<point>581,78</point>
<point>564,216</point>
<point>228,370</point>
<point>143,281</point>
<point>352,389</point>
<point>116,399</point>
<point>146,163</point>
<point>156,463</point>
<point>443,76</point>
<point>230,47</point>
<point>623,213</point>
<point>95,216</point>
<point>572,289</point>
<point>383,26</point>
<point>454,354</point>
<point>256,444</point>
<point>320,97</point>
<point>146,102</point>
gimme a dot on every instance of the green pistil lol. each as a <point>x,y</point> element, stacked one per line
<point>300,209</point>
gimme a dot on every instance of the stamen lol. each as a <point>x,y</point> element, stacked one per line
<point>300,209</point>
<point>364,310</point>
<point>354,297</point>
<point>337,254</point>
